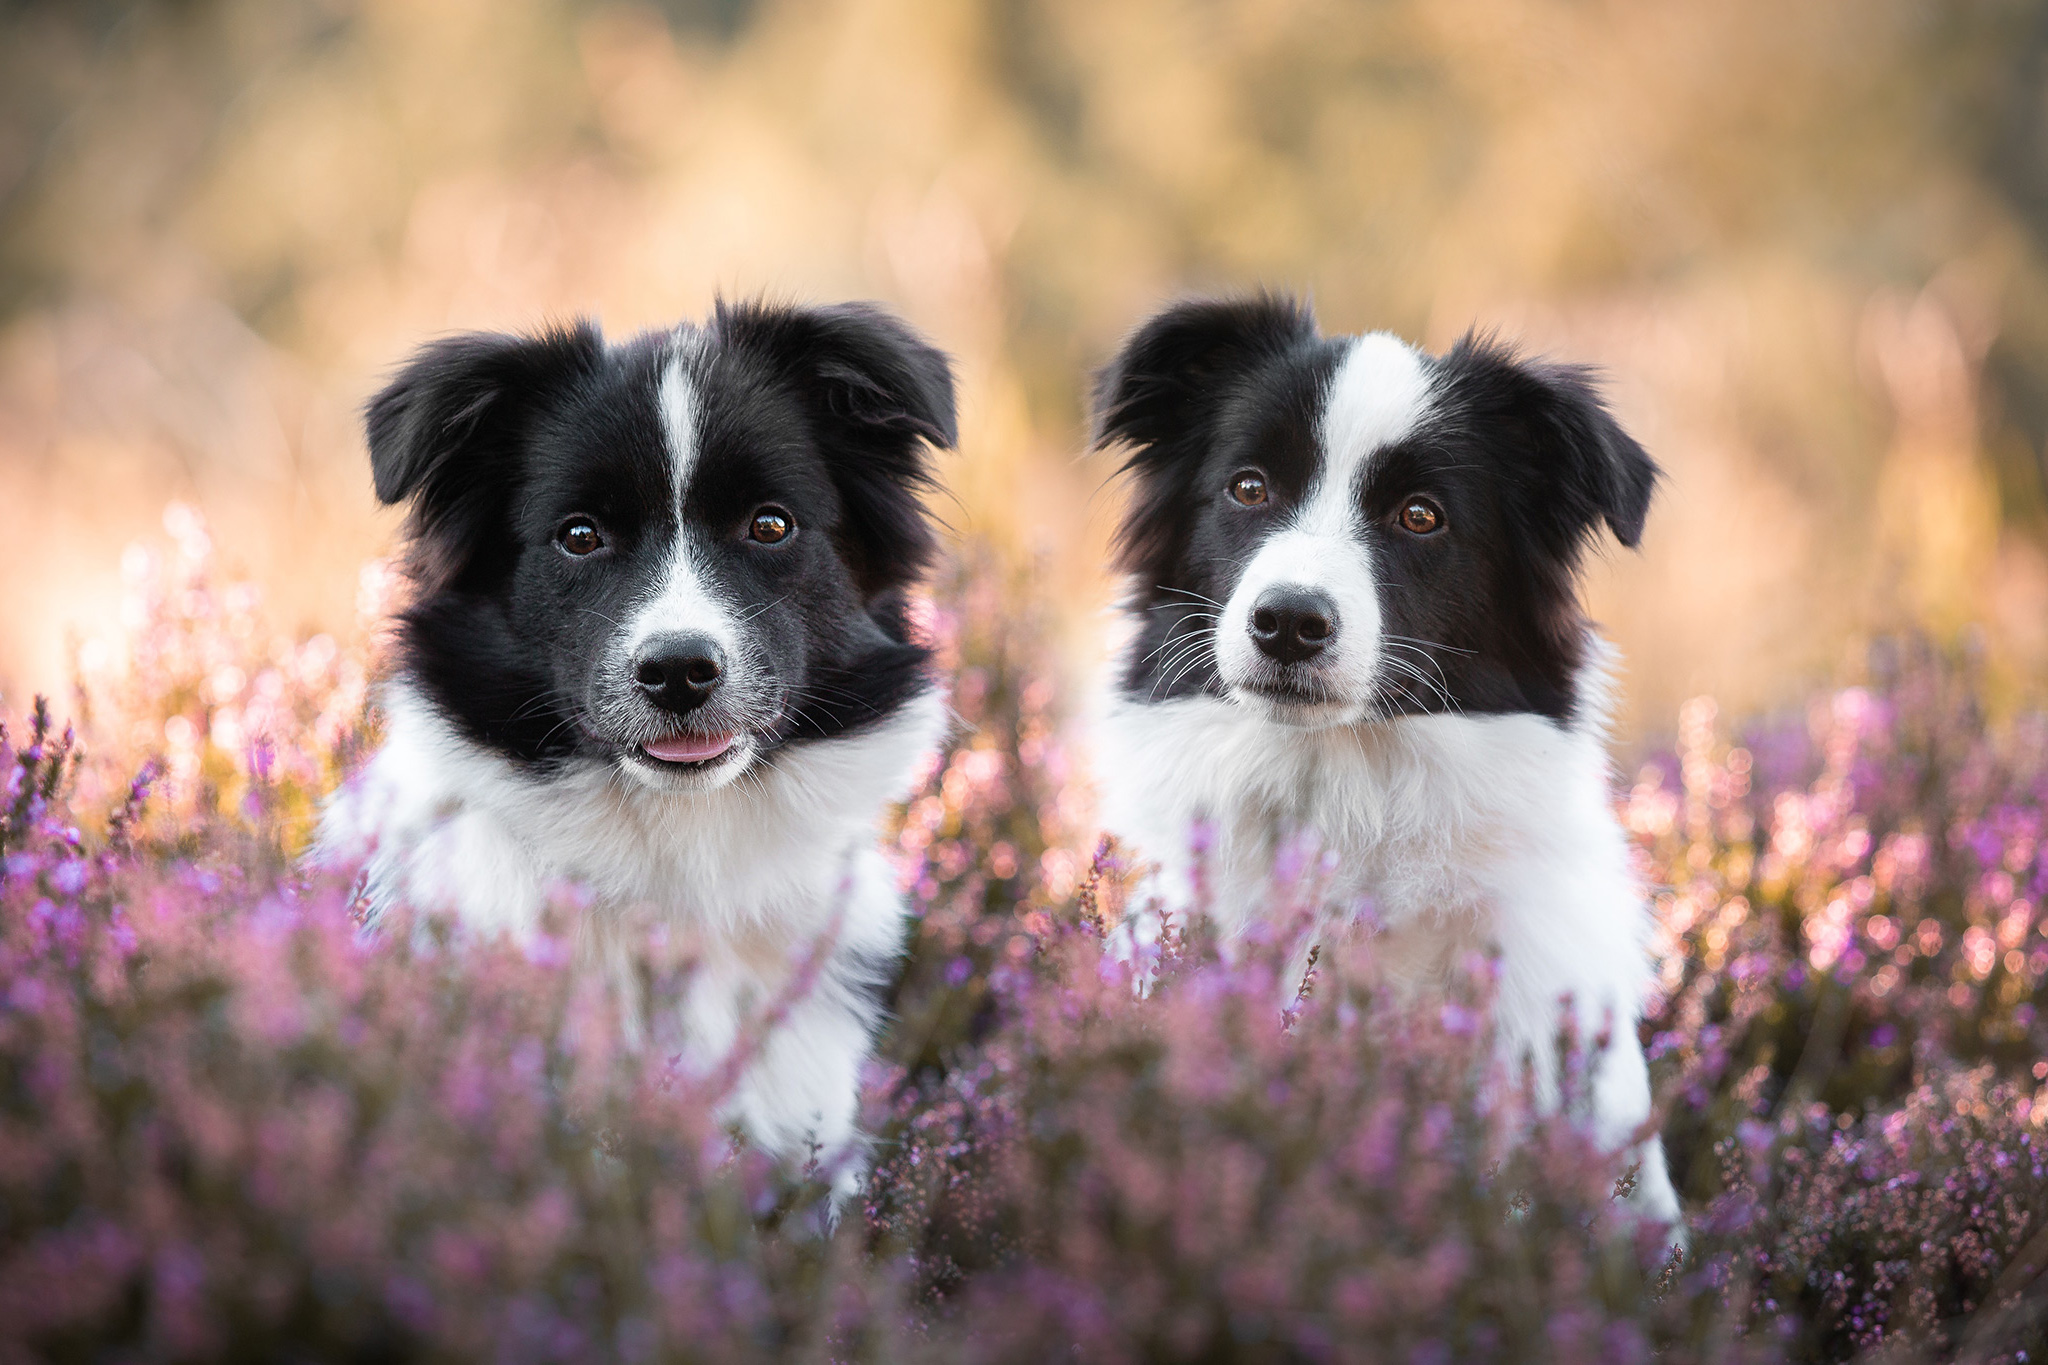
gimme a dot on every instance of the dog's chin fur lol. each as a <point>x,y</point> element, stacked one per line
<point>1446,755</point>
<point>535,667</point>
<point>1294,712</point>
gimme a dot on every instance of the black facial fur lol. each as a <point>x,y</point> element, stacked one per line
<point>500,442</point>
<point>1203,389</point>
<point>1528,464</point>
<point>1522,459</point>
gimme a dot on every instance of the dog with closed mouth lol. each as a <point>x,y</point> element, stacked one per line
<point>1353,620</point>
<point>660,650</point>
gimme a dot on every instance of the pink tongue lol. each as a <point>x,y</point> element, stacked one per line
<point>688,748</point>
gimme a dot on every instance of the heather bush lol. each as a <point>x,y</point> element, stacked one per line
<point>231,1126</point>
<point>234,1126</point>
<point>1851,1038</point>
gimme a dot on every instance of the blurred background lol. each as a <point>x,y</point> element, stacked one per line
<point>1805,242</point>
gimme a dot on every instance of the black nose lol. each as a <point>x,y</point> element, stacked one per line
<point>1292,623</point>
<point>679,672</point>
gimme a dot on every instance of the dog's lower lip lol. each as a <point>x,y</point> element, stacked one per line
<point>688,748</point>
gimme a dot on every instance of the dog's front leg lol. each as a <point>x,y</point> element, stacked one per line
<point>1550,983</point>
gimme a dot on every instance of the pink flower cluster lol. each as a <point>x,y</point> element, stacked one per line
<point>232,1124</point>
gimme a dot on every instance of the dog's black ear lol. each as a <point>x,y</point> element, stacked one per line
<point>1602,470</point>
<point>1169,379</point>
<point>1160,399</point>
<point>1589,468</point>
<point>879,395</point>
<point>444,434</point>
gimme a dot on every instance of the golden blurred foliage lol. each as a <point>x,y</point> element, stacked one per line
<point>1805,243</point>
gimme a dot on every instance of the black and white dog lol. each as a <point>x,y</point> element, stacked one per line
<point>1356,623</point>
<point>659,651</point>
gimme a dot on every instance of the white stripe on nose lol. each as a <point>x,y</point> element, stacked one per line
<point>684,602</point>
<point>1379,395</point>
<point>677,399</point>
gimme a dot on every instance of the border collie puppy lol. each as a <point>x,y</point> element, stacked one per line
<point>659,651</point>
<point>1355,623</point>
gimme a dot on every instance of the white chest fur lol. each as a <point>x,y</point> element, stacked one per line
<point>1426,819</point>
<point>751,880</point>
<point>1453,834</point>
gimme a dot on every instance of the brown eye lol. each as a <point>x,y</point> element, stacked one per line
<point>1249,488</point>
<point>771,526</point>
<point>1422,517</point>
<point>579,538</point>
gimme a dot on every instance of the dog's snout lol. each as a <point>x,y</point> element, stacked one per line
<point>1292,623</point>
<point>679,672</point>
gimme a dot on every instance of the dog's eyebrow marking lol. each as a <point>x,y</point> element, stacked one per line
<point>678,402</point>
<point>1378,395</point>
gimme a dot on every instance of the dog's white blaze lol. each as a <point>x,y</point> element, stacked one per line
<point>677,398</point>
<point>684,602</point>
<point>1378,396</point>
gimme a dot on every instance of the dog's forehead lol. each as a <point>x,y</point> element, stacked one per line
<point>733,389</point>
<point>600,442</point>
<point>1271,420</point>
<point>1378,396</point>
<point>677,404</point>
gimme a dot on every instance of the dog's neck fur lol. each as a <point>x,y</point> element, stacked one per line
<point>769,848</point>
<point>1399,818</point>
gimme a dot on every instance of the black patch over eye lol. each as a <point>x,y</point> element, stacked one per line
<point>579,538</point>
<point>1248,487</point>
<point>771,526</point>
<point>1421,516</point>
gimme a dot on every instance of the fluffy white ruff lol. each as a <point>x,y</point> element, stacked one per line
<point>1460,835</point>
<point>752,879</point>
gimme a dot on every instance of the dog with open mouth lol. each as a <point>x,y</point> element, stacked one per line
<point>660,650</point>
<point>1353,623</point>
